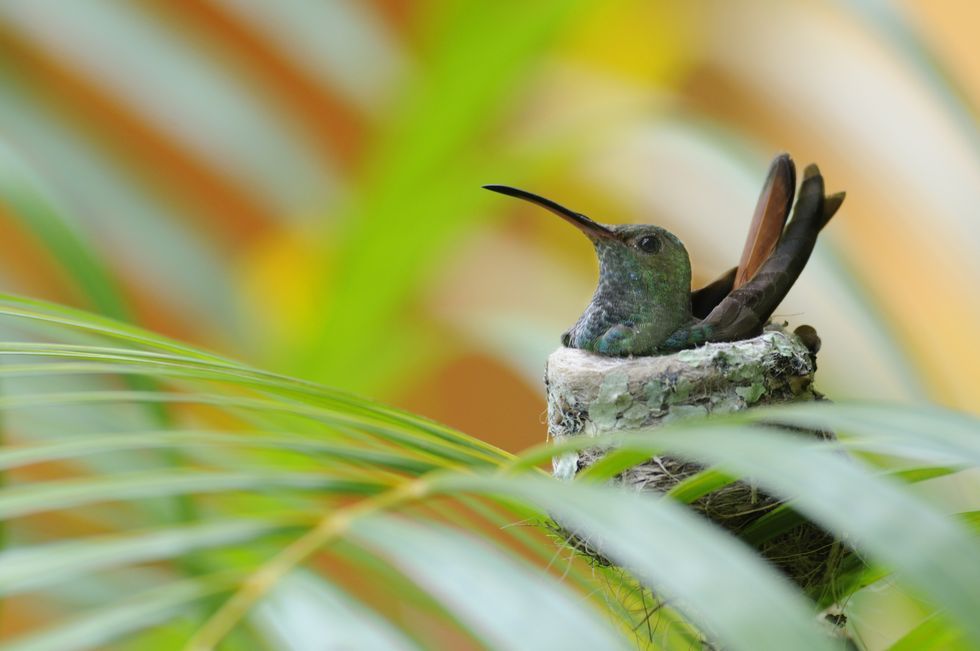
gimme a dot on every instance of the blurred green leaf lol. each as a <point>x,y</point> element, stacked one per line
<point>69,493</point>
<point>306,613</point>
<point>932,634</point>
<point>519,609</point>
<point>373,460</point>
<point>934,554</point>
<point>135,612</point>
<point>417,198</point>
<point>54,563</point>
<point>33,206</point>
<point>697,567</point>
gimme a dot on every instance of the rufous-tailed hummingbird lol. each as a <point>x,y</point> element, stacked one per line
<point>644,305</point>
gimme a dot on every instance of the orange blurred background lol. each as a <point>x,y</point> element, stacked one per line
<point>297,184</point>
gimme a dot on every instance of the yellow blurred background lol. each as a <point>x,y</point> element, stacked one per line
<point>297,184</point>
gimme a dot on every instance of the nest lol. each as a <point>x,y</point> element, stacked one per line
<point>804,553</point>
<point>589,395</point>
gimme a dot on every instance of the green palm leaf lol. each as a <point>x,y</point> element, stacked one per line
<point>297,474</point>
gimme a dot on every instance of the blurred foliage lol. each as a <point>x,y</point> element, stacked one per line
<point>274,513</point>
<point>297,184</point>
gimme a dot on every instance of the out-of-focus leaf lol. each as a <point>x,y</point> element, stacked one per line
<point>133,59</point>
<point>519,609</point>
<point>49,313</point>
<point>696,567</point>
<point>38,566</point>
<point>417,197</point>
<point>68,493</point>
<point>323,39</point>
<point>699,569</point>
<point>459,449</point>
<point>135,612</point>
<point>305,613</point>
<point>185,440</point>
<point>73,320</point>
<point>150,250</point>
<point>887,19</point>
<point>40,213</point>
<point>923,546</point>
<point>933,634</point>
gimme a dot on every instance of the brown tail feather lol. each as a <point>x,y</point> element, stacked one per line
<point>830,206</point>
<point>745,311</point>
<point>769,219</point>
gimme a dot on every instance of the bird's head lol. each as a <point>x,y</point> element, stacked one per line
<point>641,259</point>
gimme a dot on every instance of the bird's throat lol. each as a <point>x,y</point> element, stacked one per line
<point>651,301</point>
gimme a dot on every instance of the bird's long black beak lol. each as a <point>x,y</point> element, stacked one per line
<point>592,229</point>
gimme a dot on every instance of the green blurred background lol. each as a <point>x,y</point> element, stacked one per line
<point>296,183</point>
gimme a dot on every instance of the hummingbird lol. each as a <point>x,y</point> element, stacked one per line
<point>644,304</point>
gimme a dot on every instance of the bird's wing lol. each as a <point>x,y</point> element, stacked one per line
<point>705,299</point>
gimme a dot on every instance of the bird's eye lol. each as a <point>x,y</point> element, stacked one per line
<point>649,243</point>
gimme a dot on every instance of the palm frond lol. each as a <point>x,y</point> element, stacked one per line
<point>289,479</point>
